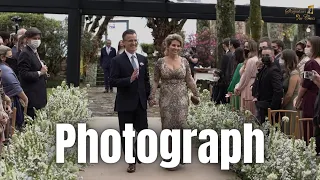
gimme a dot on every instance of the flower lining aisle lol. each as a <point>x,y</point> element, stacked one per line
<point>285,158</point>
<point>31,153</point>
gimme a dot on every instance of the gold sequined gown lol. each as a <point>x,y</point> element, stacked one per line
<point>174,98</point>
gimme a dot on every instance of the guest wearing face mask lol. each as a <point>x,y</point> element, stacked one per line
<point>303,58</point>
<point>309,90</point>
<point>33,72</point>
<point>269,85</point>
<point>278,47</point>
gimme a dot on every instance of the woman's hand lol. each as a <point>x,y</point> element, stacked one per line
<point>152,102</point>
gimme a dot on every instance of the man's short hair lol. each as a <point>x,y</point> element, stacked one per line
<point>235,42</point>
<point>265,39</point>
<point>32,32</point>
<point>279,43</point>
<point>226,42</point>
<point>128,31</point>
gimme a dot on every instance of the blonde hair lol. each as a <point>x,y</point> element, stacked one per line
<point>173,37</point>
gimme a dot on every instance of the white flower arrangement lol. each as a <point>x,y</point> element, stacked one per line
<point>285,158</point>
<point>31,153</point>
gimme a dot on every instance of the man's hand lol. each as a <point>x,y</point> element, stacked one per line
<point>44,70</point>
<point>134,75</point>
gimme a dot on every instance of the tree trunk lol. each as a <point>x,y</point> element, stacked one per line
<point>255,19</point>
<point>275,31</point>
<point>91,73</point>
<point>225,24</point>
<point>265,29</point>
<point>248,27</point>
<point>302,33</point>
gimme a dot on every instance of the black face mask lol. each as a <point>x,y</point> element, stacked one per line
<point>266,60</point>
<point>246,53</point>
<point>275,52</point>
<point>299,53</point>
<point>9,59</point>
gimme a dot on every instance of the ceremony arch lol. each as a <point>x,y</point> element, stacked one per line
<point>137,8</point>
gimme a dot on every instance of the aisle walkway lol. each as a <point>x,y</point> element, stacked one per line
<point>193,171</point>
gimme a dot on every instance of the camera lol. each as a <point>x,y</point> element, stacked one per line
<point>308,75</point>
<point>16,19</point>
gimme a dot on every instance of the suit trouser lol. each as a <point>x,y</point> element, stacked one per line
<point>31,112</point>
<point>139,120</point>
<point>106,74</point>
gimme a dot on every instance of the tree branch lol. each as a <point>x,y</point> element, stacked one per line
<point>103,27</point>
<point>95,24</point>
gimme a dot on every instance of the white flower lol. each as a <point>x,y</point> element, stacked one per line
<point>272,176</point>
<point>285,119</point>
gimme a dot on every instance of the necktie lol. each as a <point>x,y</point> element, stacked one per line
<point>133,62</point>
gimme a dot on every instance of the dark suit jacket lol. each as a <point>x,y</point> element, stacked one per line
<point>130,94</point>
<point>269,86</point>
<point>105,58</point>
<point>276,61</point>
<point>33,85</point>
<point>226,58</point>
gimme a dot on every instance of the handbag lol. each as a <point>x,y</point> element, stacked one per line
<point>194,100</point>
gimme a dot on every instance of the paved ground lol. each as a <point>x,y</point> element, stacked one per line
<point>193,171</point>
<point>103,103</point>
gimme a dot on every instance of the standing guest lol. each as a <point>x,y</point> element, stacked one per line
<point>11,85</point>
<point>107,53</point>
<point>33,72</point>
<point>121,47</point>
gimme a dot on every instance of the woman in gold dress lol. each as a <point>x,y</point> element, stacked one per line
<point>175,75</point>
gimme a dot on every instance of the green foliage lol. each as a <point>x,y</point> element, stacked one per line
<point>147,48</point>
<point>255,19</point>
<point>54,36</point>
<point>202,24</point>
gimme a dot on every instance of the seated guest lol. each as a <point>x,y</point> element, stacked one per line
<point>11,85</point>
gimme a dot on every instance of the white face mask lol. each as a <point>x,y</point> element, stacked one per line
<point>216,79</point>
<point>35,43</point>
<point>307,51</point>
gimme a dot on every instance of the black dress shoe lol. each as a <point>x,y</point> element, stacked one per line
<point>131,168</point>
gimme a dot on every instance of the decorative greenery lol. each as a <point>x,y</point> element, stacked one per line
<point>225,24</point>
<point>285,158</point>
<point>255,19</point>
<point>161,28</point>
<point>202,24</point>
<point>147,48</point>
<point>31,153</point>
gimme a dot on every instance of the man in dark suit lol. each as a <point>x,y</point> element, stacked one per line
<point>33,72</point>
<point>226,58</point>
<point>278,47</point>
<point>268,85</point>
<point>129,73</point>
<point>107,53</point>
